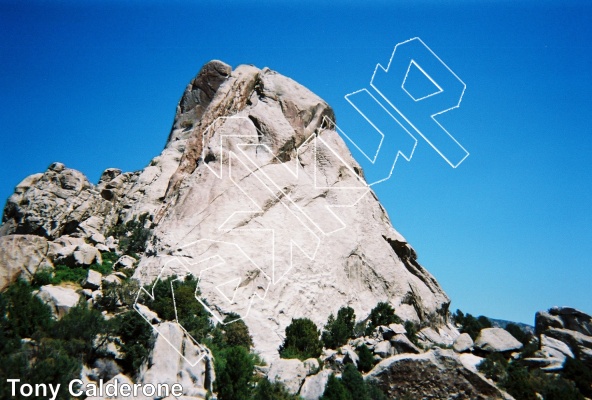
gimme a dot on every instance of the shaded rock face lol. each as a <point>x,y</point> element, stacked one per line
<point>256,194</point>
<point>564,332</point>
<point>22,256</point>
<point>437,374</point>
<point>176,358</point>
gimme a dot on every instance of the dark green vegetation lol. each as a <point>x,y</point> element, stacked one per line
<point>272,391</point>
<point>53,351</point>
<point>573,382</point>
<point>366,358</point>
<point>191,314</point>
<point>351,386</point>
<point>302,340</point>
<point>338,330</point>
<point>132,235</point>
<point>469,324</point>
<point>515,330</point>
<point>382,314</point>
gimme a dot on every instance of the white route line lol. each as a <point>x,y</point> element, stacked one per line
<point>433,115</point>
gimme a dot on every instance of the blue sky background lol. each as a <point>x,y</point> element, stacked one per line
<point>509,232</point>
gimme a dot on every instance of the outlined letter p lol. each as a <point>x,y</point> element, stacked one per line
<point>412,60</point>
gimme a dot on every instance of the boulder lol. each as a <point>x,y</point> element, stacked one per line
<point>436,374</point>
<point>97,238</point>
<point>384,333</point>
<point>577,341</point>
<point>93,280</point>
<point>470,361</point>
<point>125,262</point>
<point>440,336</point>
<point>147,313</point>
<point>383,349</point>
<point>290,372</point>
<point>554,348</point>
<point>111,243</point>
<point>314,386</point>
<point>113,279</point>
<point>543,320</point>
<point>311,365</point>
<point>401,344</point>
<point>496,340</point>
<point>60,299</point>
<point>22,256</point>
<point>87,255</point>
<point>398,329</point>
<point>102,248</point>
<point>463,343</point>
<point>78,255</point>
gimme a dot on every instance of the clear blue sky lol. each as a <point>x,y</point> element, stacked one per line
<point>509,232</point>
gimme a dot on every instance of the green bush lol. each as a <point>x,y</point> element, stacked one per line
<point>132,235</point>
<point>484,321</point>
<point>576,371</point>
<point>529,349</point>
<point>106,267</point>
<point>53,364</point>
<point>338,330</point>
<point>558,388</point>
<point>469,324</point>
<point>302,340</point>
<point>235,332</point>
<point>412,329</point>
<point>354,383</point>
<point>190,313</point>
<point>63,273</point>
<point>382,314</point>
<point>519,383</point>
<point>366,358</point>
<point>335,390</point>
<point>58,348</point>
<point>28,316</point>
<point>518,333</point>
<point>523,384</point>
<point>42,277</point>
<point>78,329</point>
<point>234,373</point>
<point>136,339</point>
<point>351,386</point>
<point>494,367</point>
<point>374,391</point>
<point>115,295</point>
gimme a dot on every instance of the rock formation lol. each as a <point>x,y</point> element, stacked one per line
<point>254,174</point>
